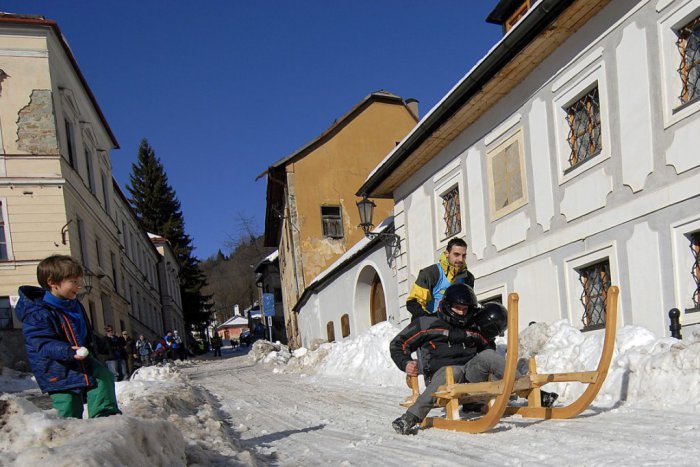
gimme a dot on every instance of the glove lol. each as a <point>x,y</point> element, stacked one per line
<point>475,339</point>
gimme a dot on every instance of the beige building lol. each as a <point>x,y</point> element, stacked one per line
<point>57,194</point>
<point>168,274</point>
<point>311,215</point>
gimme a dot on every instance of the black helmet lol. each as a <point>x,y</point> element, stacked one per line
<point>491,319</point>
<point>459,294</point>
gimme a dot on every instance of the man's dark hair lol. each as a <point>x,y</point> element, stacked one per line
<point>56,268</point>
<point>456,242</point>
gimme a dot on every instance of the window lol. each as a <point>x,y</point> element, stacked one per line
<point>105,192</point>
<point>507,187</point>
<point>689,69</point>
<point>91,308</point>
<point>345,325</point>
<point>495,298</point>
<point>81,242</point>
<point>113,261</point>
<point>98,249</point>
<point>330,331</point>
<point>695,271</point>
<point>5,313</point>
<point>90,175</point>
<point>332,221</point>
<point>595,280</point>
<point>516,15</point>
<point>583,117</point>
<point>452,215</point>
<point>4,234</point>
<point>70,143</point>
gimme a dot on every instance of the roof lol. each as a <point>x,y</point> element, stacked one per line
<point>31,20</point>
<point>234,321</point>
<point>348,258</point>
<point>275,173</point>
<point>377,96</point>
<point>543,28</point>
<point>269,259</point>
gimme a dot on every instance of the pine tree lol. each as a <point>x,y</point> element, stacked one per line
<point>159,212</point>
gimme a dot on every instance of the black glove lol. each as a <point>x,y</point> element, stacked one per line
<point>475,339</point>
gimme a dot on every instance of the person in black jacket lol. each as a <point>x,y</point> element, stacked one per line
<point>445,339</point>
<point>461,335</point>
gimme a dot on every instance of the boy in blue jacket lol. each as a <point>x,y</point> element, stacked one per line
<point>58,339</point>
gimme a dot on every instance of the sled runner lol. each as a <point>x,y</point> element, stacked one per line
<point>497,394</point>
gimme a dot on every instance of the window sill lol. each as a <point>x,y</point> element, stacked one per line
<point>581,164</point>
<point>692,310</point>
<point>594,327</point>
<point>685,105</point>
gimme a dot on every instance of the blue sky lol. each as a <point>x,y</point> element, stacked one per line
<point>222,89</point>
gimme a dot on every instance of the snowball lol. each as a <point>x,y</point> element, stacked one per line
<point>82,352</point>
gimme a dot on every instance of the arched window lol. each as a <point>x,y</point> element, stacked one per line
<point>377,302</point>
<point>330,331</point>
<point>345,325</point>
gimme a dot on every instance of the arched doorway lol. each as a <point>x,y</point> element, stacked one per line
<point>377,303</point>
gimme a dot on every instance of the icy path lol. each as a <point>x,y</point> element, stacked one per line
<point>309,420</point>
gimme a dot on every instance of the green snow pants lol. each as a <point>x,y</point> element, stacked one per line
<point>101,399</point>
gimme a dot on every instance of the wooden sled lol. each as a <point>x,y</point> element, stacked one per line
<point>497,394</point>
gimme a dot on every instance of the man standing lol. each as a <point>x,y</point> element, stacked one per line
<point>432,281</point>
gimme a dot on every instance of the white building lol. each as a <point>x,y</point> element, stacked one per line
<point>568,159</point>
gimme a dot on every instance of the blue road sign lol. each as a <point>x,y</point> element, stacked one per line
<point>268,304</point>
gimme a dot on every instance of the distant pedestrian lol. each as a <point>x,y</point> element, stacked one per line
<point>130,351</point>
<point>178,346</point>
<point>58,339</point>
<point>115,353</point>
<point>216,344</point>
<point>144,350</point>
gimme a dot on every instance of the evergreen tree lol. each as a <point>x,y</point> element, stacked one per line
<point>159,212</point>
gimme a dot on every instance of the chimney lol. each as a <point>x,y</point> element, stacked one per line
<point>412,105</point>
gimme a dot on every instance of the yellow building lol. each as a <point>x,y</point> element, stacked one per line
<point>311,216</point>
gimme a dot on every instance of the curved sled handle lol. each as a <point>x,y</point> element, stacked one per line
<point>582,403</point>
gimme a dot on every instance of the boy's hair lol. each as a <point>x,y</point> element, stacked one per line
<point>456,242</point>
<point>56,268</point>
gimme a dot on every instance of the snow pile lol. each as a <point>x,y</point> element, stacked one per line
<point>365,358</point>
<point>30,436</point>
<point>645,371</point>
<point>163,392</point>
<point>166,421</point>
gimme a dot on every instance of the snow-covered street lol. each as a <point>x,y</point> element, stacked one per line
<point>334,406</point>
<point>325,421</point>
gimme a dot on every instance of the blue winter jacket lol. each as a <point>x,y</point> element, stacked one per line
<point>49,334</point>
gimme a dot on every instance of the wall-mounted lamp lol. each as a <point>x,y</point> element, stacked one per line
<point>87,279</point>
<point>366,208</point>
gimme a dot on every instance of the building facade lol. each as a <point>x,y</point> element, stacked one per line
<point>311,215</point>
<point>57,194</point>
<point>571,165</point>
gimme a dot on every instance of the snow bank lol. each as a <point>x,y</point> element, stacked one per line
<point>30,436</point>
<point>167,421</point>
<point>645,371</point>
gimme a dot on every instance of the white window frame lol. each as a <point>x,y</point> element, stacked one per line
<point>515,136</point>
<point>6,227</point>
<point>446,180</point>
<point>580,78</point>
<point>682,263</point>
<point>681,13</point>
<point>574,289</point>
<point>501,290</point>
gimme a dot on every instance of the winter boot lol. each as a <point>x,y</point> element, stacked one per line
<point>472,407</point>
<point>405,423</point>
<point>547,399</point>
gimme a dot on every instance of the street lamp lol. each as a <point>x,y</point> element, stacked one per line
<point>366,208</point>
